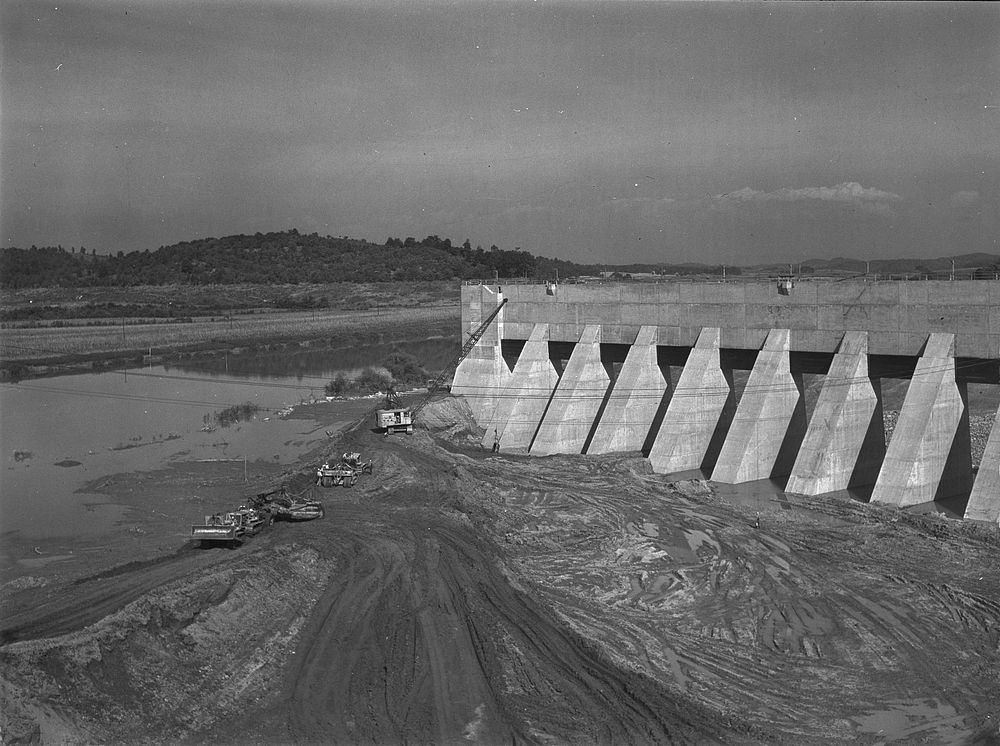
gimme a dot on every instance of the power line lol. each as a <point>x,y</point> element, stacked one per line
<point>118,396</point>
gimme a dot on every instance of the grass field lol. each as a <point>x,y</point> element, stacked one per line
<point>209,300</point>
<point>41,343</point>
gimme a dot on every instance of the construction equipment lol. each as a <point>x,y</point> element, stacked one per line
<point>398,420</point>
<point>345,473</point>
<point>236,526</point>
<point>288,507</point>
<point>401,419</point>
<point>301,510</point>
<point>230,528</point>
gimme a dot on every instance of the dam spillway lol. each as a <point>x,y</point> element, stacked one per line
<point>654,367</point>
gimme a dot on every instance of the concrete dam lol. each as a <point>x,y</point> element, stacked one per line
<point>710,376</point>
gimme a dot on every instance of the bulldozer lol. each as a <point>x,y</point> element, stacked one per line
<point>343,474</point>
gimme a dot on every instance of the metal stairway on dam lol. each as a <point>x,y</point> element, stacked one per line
<point>612,392</point>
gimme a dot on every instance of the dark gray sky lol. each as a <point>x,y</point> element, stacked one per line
<point>607,132</point>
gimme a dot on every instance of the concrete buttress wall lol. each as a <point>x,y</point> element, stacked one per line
<point>984,502</point>
<point>770,419</point>
<point>845,442</point>
<point>634,400</point>
<point>484,374</point>
<point>577,399</point>
<point>523,400</point>
<point>701,400</point>
<point>928,457</point>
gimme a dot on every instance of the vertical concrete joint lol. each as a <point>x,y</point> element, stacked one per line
<point>929,454</point>
<point>634,399</point>
<point>570,415</point>
<point>522,402</point>
<point>700,401</point>
<point>482,376</point>
<point>984,502</point>
<point>770,421</point>
<point>845,442</point>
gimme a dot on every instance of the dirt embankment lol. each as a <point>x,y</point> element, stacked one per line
<point>458,596</point>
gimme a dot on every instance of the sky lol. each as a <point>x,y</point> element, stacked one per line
<point>606,132</point>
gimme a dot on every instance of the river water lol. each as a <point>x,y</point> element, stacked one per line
<point>59,434</point>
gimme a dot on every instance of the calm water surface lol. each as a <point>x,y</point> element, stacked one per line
<point>58,434</point>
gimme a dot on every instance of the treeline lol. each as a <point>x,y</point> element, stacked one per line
<point>398,370</point>
<point>286,257</point>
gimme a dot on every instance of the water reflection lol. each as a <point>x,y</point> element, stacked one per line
<point>59,434</point>
<point>299,363</point>
<point>769,494</point>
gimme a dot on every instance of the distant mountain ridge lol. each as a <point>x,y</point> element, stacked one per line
<point>962,261</point>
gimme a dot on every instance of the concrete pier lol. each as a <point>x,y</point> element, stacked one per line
<point>928,457</point>
<point>845,442</point>
<point>484,374</point>
<point>634,400</point>
<point>984,502</point>
<point>577,399</point>
<point>523,400</point>
<point>619,342</point>
<point>770,419</point>
<point>701,402</point>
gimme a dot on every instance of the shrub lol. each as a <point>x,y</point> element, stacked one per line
<point>405,368</point>
<point>372,381</point>
<point>338,386</point>
<point>234,414</point>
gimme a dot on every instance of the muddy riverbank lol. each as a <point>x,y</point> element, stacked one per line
<point>456,595</point>
<point>52,351</point>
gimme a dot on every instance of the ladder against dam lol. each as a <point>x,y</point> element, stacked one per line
<point>826,387</point>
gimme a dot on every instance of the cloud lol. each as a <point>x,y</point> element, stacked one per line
<point>851,193</point>
<point>965,198</point>
<point>641,202</point>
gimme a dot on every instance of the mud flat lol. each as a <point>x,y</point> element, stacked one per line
<point>460,596</point>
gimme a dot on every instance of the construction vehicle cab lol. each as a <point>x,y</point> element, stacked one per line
<point>398,420</point>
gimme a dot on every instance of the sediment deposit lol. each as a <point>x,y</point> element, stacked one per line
<point>462,596</point>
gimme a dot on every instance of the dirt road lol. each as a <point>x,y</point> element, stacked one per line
<point>456,596</point>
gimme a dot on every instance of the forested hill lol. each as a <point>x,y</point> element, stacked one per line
<point>269,258</point>
<point>290,257</point>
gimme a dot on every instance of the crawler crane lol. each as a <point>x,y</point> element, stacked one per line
<point>401,419</point>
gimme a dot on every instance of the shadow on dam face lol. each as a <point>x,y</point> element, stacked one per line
<point>891,377</point>
<point>767,494</point>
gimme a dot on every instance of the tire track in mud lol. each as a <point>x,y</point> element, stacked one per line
<point>102,594</point>
<point>792,623</point>
<point>421,637</point>
<point>578,600</point>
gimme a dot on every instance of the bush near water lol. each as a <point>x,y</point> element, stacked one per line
<point>398,370</point>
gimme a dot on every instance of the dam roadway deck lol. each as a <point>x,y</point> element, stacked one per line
<point>585,368</point>
<point>897,315</point>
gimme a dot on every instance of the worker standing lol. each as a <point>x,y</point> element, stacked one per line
<point>496,442</point>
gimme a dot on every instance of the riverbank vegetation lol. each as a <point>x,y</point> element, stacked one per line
<point>398,371</point>
<point>99,306</point>
<point>291,258</point>
<point>232,415</point>
<point>285,257</point>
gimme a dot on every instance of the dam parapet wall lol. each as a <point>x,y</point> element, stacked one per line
<point>897,315</point>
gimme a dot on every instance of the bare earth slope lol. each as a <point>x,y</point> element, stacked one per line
<point>456,596</point>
